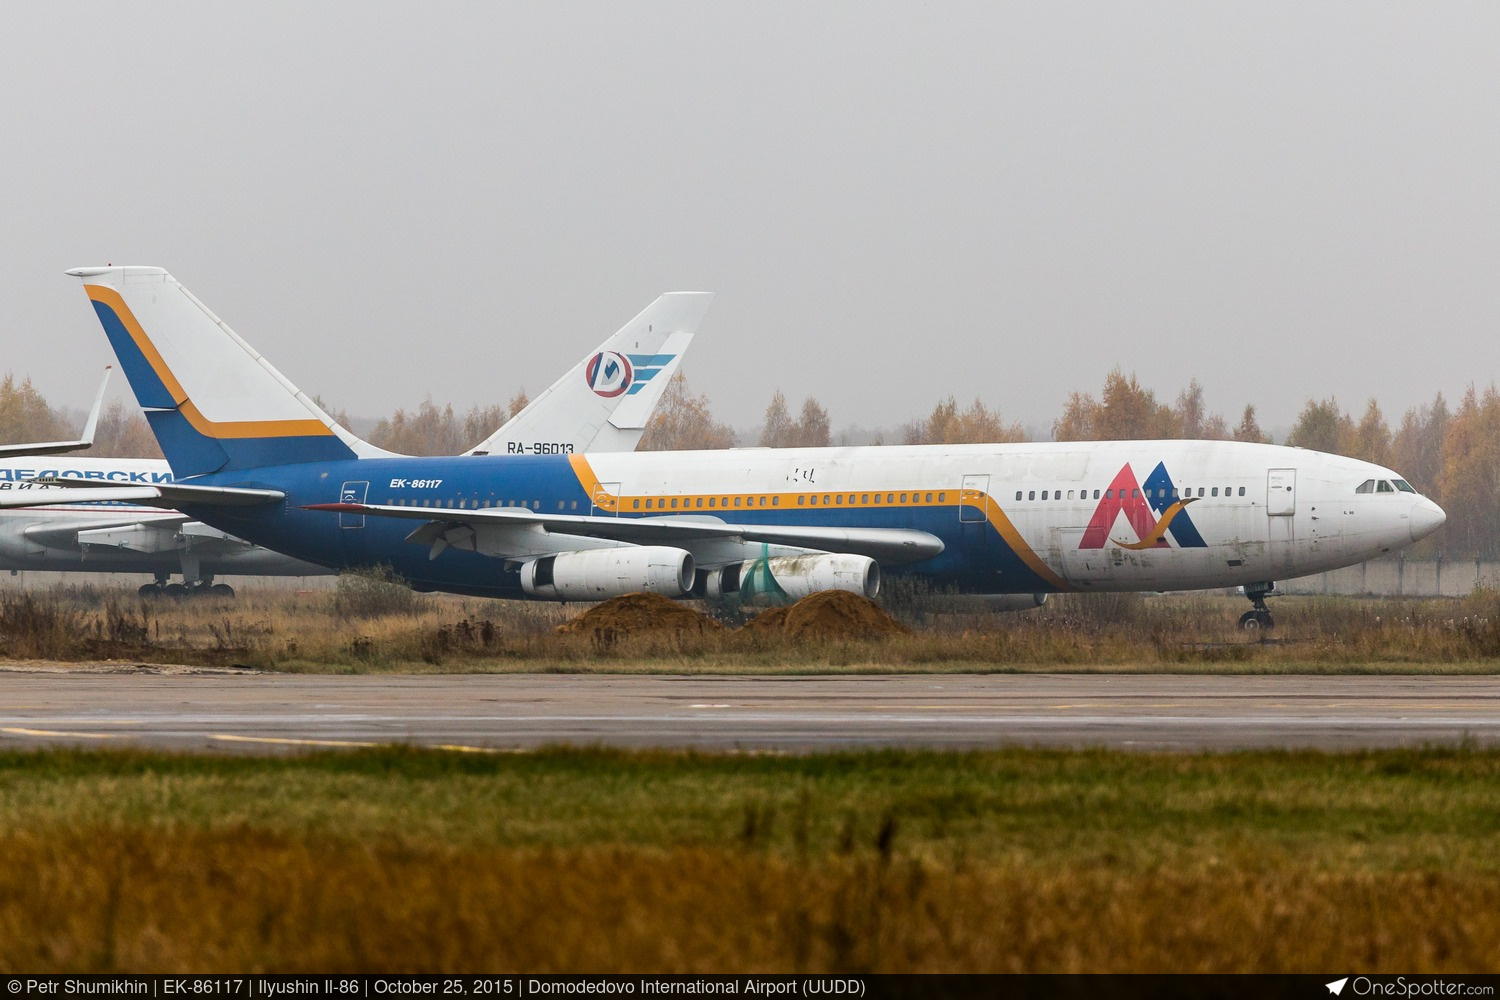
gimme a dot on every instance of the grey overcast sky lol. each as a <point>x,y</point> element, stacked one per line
<point>895,202</point>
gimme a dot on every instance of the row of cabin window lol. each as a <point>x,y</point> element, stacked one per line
<point>477,504</point>
<point>1135,493</point>
<point>806,500</point>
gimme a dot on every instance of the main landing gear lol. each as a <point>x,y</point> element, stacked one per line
<point>1259,618</point>
<point>189,588</point>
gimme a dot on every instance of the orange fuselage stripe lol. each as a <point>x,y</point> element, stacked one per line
<point>861,499</point>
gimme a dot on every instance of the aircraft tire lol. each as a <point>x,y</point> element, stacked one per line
<point>221,590</point>
<point>176,591</point>
<point>1257,620</point>
<point>150,591</point>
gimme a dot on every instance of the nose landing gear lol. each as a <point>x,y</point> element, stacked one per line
<point>1259,618</point>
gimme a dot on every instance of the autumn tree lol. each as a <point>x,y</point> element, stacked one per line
<point>428,431</point>
<point>947,424</point>
<point>1470,481</point>
<point>684,422</point>
<point>25,415</point>
<point>1371,439</point>
<point>1322,426</point>
<point>1248,429</point>
<point>777,429</point>
<point>1417,447</point>
<point>122,432</point>
<point>1124,411</point>
<point>811,429</point>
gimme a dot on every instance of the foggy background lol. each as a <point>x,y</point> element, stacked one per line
<point>895,202</point>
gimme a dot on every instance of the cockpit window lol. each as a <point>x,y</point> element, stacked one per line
<point>1404,486</point>
<point>1384,487</point>
<point>1368,486</point>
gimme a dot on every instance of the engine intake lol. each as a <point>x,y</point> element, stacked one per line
<point>598,574</point>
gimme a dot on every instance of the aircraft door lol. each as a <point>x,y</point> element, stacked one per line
<point>1281,508</point>
<point>606,500</point>
<point>1281,492</point>
<point>353,492</point>
<point>972,495</point>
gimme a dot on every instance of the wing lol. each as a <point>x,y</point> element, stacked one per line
<point>885,545</point>
<point>166,495</point>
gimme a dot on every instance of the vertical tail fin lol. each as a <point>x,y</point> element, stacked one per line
<point>213,402</point>
<point>603,403</point>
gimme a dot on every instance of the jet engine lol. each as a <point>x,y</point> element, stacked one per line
<point>597,574</point>
<point>787,578</point>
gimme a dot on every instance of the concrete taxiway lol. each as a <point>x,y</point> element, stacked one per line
<point>268,713</point>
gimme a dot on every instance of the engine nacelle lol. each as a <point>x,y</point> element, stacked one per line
<point>1002,602</point>
<point>788,578</point>
<point>598,574</point>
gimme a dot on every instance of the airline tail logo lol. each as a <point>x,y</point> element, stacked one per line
<point>608,374</point>
<point>1152,510</point>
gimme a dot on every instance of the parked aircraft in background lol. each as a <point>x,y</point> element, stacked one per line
<point>255,457</point>
<point>580,412</point>
<point>84,442</point>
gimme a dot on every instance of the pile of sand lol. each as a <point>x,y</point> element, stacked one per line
<point>828,614</point>
<point>640,614</point>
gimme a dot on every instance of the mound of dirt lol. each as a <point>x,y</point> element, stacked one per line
<point>639,614</point>
<point>829,614</point>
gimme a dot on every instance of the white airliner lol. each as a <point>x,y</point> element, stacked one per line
<point>255,457</point>
<point>571,416</point>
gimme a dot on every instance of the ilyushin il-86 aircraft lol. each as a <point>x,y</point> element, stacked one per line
<point>255,457</point>
<point>580,412</point>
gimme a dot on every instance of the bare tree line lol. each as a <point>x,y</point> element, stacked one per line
<point>1453,455</point>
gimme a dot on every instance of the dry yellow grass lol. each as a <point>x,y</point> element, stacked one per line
<point>102,900</point>
<point>364,625</point>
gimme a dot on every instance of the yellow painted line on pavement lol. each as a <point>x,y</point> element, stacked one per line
<point>288,741</point>
<point>17,730</point>
<point>228,738</point>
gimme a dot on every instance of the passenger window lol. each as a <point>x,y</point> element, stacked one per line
<point>636,504</point>
<point>762,501</point>
<point>1018,494</point>
<point>929,498</point>
<point>1031,495</point>
<point>1216,491</point>
<point>1044,494</point>
<point>903,498</point>
<point>1096,494</point>
<point>775,502</point>
<point>839,499</point>
<point>890,498</point>
<point>736,501</point>
<point>801,501</point>
<point>864,498</point>
<point>815,500</point>
<point>1242,491</point>
<point>1070,494</point>
<point>1135,494</point>
<point>942,498</point>
<point>700,502</point>
<point>1384,487</point>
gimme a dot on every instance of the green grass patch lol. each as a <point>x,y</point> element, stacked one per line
<point>565,860</point>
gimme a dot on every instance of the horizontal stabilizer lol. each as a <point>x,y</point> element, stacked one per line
<point>84,442</point>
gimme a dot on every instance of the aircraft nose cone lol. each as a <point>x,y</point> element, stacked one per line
<point>1425,518</point>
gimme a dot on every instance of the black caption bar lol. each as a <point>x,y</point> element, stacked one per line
<point>755,987</point>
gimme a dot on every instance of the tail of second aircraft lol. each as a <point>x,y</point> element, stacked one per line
<point>213,402</point>
<point>604,402</point>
